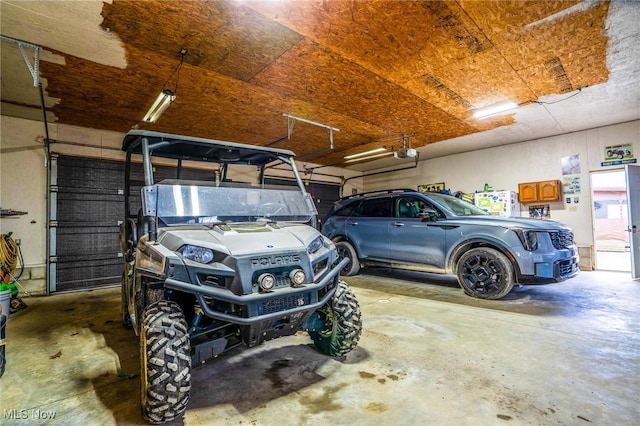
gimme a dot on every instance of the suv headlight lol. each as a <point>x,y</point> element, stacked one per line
<point>197,254</point>
<point>315,245</point>
<point>529,239</point>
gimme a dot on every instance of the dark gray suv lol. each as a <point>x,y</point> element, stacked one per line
<point>433,232</point>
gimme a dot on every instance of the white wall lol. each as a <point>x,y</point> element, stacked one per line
<point>23,181</point>
<point>505,166</point>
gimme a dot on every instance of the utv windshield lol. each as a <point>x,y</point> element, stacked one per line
<point>457,206</point>
<point>178,204</point>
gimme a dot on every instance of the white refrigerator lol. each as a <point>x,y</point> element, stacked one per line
<point>499,203</point>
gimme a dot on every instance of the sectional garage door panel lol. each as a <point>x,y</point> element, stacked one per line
<point>92,271</point>
<point>88,206</point>
<point>88,210</point>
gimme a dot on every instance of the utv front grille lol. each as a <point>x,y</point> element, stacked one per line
<point>282,282</point>
<point>233,309</point>
<point>320,268</point>
<point>561,239</point>
<point>283,304</point>
<point>213,280</point>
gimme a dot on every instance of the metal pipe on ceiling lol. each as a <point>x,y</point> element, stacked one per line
<point>291,121</point>
<point>379,173</point>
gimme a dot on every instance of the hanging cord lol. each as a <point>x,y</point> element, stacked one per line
<point>21,261</point>
<point>176,72</point>
<point>10,256</point>
<point>10,253</point>
<point>559,100</point>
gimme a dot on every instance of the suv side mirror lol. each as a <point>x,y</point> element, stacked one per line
<point>428,215</point>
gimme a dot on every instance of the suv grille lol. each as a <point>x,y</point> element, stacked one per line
<point>562,239</point>
<point>566,268</point>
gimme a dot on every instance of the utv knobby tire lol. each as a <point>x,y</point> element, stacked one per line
<point>345,249</point>
<point>342,323</point>
<point>485,273</point>
<point>165,364</point>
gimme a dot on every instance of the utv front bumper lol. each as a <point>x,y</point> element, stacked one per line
<point>255,308</point>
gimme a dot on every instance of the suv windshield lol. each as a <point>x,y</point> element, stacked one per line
<point>455,205</point>
<point>202,203</point>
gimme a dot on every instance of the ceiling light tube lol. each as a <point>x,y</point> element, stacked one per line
<point>162,102</point>
<point>495,109</point>
<point>353,160</point>
<point>362,154</point>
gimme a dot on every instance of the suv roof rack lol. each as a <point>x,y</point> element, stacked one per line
<point>380,191</point>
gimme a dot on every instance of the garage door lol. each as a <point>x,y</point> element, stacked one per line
<point>323,194</point>
<point>86,205</point>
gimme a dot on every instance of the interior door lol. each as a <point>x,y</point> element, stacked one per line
<point>632,173</point>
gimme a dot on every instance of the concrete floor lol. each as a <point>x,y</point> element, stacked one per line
<point>562,354</point>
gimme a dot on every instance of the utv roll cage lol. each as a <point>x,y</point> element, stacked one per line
<point>185,148</point>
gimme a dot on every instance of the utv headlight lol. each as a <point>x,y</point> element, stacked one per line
<point>197,254</point>
<point>297,277</point>
<point>529,239</point>
<point>315,245</point>
<point>266,281</point>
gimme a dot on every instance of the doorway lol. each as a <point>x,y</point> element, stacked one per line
<point>610,221</point>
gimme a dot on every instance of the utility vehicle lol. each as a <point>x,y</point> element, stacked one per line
<point>211,262</point>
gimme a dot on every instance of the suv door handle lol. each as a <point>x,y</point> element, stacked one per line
<point>398,223</point>
<point>353,223</point>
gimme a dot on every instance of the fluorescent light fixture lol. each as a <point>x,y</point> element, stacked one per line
<point>495,109</point>
<point>369,157</point>
<point>164,99</point>
<point>362,154</point>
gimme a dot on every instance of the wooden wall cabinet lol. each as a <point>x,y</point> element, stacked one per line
<point>544,190</point>
<point>528,192</point>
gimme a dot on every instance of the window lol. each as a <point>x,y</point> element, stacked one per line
<point>410,207</point>
<point>456,206</point>
<point>347,210</point>
<point>380,207</point>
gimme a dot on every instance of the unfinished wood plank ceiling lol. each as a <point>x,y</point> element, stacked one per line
<point>376,70</point>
